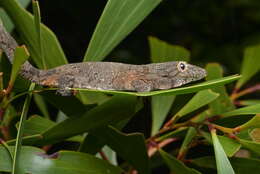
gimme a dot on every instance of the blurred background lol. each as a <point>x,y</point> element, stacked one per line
<point>214,31</point>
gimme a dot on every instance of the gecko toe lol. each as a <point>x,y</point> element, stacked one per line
<point>64,92</point>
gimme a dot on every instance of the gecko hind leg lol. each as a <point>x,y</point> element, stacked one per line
<point>64,83</point>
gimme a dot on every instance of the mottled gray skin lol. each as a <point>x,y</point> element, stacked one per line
<point>106,75</point>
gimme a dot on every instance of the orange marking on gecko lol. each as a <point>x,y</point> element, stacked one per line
<point>51,81</point>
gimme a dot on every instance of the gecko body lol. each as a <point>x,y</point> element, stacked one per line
<point>106,75</point>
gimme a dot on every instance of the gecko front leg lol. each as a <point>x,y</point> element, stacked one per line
<point>65,82</point>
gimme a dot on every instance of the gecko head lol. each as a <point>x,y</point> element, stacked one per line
<point>188,73</point>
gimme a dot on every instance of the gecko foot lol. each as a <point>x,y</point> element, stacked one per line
<point>64,92</point>
<point>65,83</point>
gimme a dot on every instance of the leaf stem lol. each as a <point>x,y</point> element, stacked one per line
<point>18,143</point>
<point>249,90</point>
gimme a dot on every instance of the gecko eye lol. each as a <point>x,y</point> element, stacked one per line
<point>182,66</point>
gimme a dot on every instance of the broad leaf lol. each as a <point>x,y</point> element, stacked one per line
<point>223,164</point>
<point>108,113</point>
<point>130,147</point>
<point>222,103</point>
<point>110,154</point>
<point>70,106</point>
<point>251,145</point>
<point>229,145</point>
<point>37,23</point>
<point>37,125</point>
<point>251,124</point>
<point>248,102</point>
<point>200,99</point>
<point>175,165</point>
<point>34,160</point>
<point>24,23</point>
<point>6,20</point>
<point>249,110</point>
<point>161,105</point>
<point>20,56</point>
<point>250,65</point>
<point>118,19</point>
<point>162,51</point>
<point>240,165</point>
<point>186,142</point>
<point>42,105</point>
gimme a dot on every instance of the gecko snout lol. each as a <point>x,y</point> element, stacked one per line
<point>196,72</point>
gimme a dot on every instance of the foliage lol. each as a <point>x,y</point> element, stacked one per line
<point>85,133</point>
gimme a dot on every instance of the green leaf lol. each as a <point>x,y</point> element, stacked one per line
<point>246,165</point>
<point>174,91</point>
<point>94,140</point>
<point>205,162</point>
<point>110,154</point>
<point>37,23</point>
<point>200,99</point>
<point>186,142</point>
<point>91,144</point>
<point>41,104</point>
<point>130,147</point>
<point>251,124</point>
<point>70,106</point>
<point>248,102</point>
<point>175,165</point>
<point>16,166</point>
<point>163,52</point>
<point>222,103</point>
<point>24,23</point>
<point>201,117</point>
<point>229,145</point>
<point>37,125</point>
<point>250,65</point>
<point>20,56</point>
<point>7,148</point>
<point>240,165</point>
<point>6,20</point>
<point>161,106</point>
<point>34,160</point>
<point>110,112</point>
<point>108,135</point>
<point>118,19</point>
<point>92,98</point>
<point>251,145</point>
<point>249,110</point>
<point>223,164</point>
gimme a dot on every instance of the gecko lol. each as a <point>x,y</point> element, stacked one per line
<point>105,75</point>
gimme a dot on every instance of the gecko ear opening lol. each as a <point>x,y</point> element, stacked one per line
<point>182,66</point>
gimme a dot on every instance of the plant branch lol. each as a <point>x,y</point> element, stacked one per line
<point>246,91</point>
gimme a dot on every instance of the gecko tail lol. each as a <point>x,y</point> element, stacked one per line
<point>8,45</point>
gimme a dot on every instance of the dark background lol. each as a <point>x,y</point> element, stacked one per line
<point>214,31</point>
